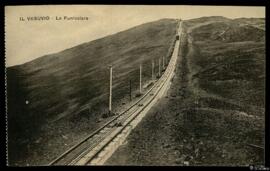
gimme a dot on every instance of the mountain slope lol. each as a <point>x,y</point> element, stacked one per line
<point>55,94</point>
<point>213,113</point>
<point>256,22</point>
<point>231,62</point>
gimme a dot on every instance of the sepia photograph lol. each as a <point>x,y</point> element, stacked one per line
<point>135,85</point>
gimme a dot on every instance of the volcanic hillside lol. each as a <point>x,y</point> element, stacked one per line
<point>229,59</point>
<point>58,98</point>
<point>213,113</point>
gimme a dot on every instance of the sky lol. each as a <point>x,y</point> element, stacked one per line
<point>28,40</point>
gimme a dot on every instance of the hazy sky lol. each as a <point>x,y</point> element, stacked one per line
<point>27,40</point>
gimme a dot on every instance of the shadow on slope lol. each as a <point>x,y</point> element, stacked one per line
<point>52,95</point>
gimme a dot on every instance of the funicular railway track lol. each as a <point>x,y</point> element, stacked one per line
<point>89,150</point>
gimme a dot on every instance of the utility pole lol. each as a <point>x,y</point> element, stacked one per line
<point>163,62</point>
<point>153,69</point>
<point>140,78</point>
<point>130,90</point>
<point>110,96</point>
<point>159,67</point>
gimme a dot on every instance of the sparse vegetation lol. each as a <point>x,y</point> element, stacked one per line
<point>214,111</point>
<point>67,91</point>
